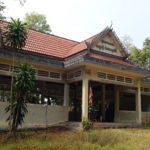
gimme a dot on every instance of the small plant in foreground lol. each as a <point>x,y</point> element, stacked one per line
<point>87,124</point>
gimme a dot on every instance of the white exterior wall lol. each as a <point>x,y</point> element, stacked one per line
<point>36,115</point>
<point>130,117</point>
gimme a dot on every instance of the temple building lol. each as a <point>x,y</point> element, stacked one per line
<point>92,79</point>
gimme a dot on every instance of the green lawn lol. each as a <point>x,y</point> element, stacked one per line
<point>103,139</point>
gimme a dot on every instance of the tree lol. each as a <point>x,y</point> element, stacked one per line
<point>136,55</point>
<point>146,51</point>
<point>2,8</point>
<point>14,37</point>
<point>15,34</point>
<point>127,42</point>
<point>37,21</point>
<point>146,43</point>
<point>147,57</point>
<point>141,56</point>
<point>24,83</point>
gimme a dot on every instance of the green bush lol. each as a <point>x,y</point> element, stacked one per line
<point>87,124</point>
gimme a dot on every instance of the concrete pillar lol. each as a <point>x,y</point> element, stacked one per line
<point>66,95</point>
<point>138,104</point>
<point>85,97</point>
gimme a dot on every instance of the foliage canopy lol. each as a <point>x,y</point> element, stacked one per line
<point>141,56</point>
<point>2,8</point>
<point>37,22</point>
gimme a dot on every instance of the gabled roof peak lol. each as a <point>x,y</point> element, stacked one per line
<point>105,32</point>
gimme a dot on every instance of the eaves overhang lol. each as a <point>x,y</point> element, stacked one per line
<point>142,72</point>
<point>84,58</point>
<point>107,54</point>
<point>30,57</point>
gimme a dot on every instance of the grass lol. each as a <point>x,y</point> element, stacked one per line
<point>103,139</point>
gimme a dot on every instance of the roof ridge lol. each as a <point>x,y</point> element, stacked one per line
<point>96,34</point>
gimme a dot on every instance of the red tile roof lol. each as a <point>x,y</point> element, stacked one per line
<point>48,44</point>
<point>80,47</point>
<point>110,59</point>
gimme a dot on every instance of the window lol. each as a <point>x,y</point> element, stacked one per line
<point>48,92</point>
<point>127,101</point>
<point>145,103</point>
<point>5,82</point>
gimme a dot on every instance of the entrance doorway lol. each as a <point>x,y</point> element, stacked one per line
<point>75,101</point>
<point>102,107</point>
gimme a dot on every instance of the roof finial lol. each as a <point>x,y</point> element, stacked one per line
<point>111,24</point>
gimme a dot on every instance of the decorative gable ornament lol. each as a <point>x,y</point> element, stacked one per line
<point>108,42</point>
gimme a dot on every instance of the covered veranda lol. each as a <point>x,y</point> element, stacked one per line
<point>117,98</point>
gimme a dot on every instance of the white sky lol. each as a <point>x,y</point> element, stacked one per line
<point>80,19</point>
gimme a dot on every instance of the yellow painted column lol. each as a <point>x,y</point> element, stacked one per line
<point>138,103</point>
<point>66,95</point>
<point>85,97</point>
